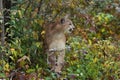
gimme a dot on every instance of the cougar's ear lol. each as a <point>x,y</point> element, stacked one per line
<point>67,16</point>
<point>62,21</point>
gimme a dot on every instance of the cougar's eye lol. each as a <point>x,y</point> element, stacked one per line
<point>70,24</point>
<point>62,20</point>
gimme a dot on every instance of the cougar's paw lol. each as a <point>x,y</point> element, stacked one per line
<point>58,74</point>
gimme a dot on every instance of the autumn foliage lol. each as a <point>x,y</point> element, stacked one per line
<point>92,50</point>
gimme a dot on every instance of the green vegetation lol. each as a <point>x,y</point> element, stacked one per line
<point>94,52</point>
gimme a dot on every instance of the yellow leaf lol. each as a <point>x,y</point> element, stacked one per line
<point>40,21</point>
<point>12,58</point>
<point>22,63</point>
<point>0,31</point>
<point>72,5</point>
<point>92,2</point>
<point>78,66</point>
<point>106,19</point>
<point>54,12</point>
<point>95,60</point>
<point>20,13</point>
<point>111,47</point>
<point>38,44</point>
<point>6,67</point>
<point>43,32</point>
<point>100,54</point>
<point>90,42</point>
<point>99,18</point>
<point>1,13</point>
<point>36,21</point>
<point>103,30</point>
<point>35,35</point>
<point>12,49</point>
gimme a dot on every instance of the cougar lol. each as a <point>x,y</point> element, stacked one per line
<point>55,41</point>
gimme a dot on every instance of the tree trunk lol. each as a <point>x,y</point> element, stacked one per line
<point>2,27</point>
<point>7,7</point>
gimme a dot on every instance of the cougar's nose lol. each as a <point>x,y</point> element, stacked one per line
<point>70,29</point>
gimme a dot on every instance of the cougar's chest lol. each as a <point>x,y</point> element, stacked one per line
<point>58,42</point>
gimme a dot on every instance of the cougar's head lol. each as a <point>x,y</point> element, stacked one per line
<point>67,24</point>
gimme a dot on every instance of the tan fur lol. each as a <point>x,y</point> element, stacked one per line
<point>55,42</point>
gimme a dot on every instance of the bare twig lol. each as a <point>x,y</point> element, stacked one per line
<point>39,6</point>
<point>27,7</point>
<point>59,13</point>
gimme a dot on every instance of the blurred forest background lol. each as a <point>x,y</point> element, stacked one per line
<point>93,50</point>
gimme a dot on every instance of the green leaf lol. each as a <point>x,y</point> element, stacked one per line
<point>48,78</point>
<point>30,70</point>
<point>2,75</point>
<point>78,71</point>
